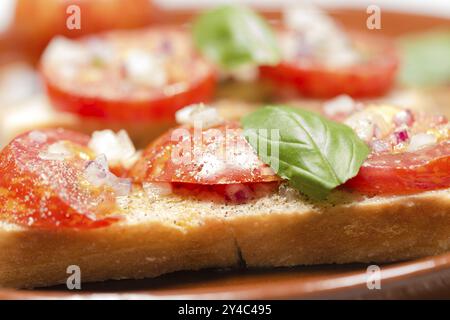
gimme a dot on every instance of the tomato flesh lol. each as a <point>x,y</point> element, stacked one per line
<point>160,108</point>
<point>218,155</point>
<point>372,78</point>
<point>404,173</point>
<point>101,87</point>
<point>39,192</point>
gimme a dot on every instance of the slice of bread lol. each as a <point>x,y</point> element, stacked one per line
<point>169,233</point>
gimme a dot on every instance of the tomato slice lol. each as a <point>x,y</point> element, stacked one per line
<point>404,173</point>
<point>45,189</point>
<point>217,155</point>
<point>142,75</point>
<point>309,77</point>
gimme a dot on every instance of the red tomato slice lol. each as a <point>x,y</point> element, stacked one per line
<point>313,79</point>
<point>406,172</point>
<point>218,155</point>
<point>143,75</point>
<point>40,191</point>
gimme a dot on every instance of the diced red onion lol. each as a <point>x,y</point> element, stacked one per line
<point>401,136</point>
<point>238,193</point>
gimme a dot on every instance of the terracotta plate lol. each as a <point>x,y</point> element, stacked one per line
<point>422,278</point>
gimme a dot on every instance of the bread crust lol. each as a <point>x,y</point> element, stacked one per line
<point>33,258</point>
<point>374,230</point>
<point>170,234</point>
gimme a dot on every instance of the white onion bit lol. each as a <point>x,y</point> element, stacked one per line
<point>38,136</point>
<point>156,189</point>
<point>65,54</point>
<point>118,148</point>
<point>379,146</point>
<point>56,151</point>
<point>199,114</point>
<point>342,104</point>
<point>144,68</point>
<point>97,173</point>
<point>421,140</point>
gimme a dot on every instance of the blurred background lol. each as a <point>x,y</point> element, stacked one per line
<point>421,29</point>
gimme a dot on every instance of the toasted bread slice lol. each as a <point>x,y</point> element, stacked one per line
<point>169,233</point>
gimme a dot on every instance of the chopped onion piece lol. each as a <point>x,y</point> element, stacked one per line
<point>321,35</point>
<point>118,148</point>
<point>56,151</point>
<point>369,124</point>
<point>121,186</point>
<point>342,104</point>
<point>125,143</point>
<point>379,146</point>
<point>364,128</point>
<point>401,136</point>
<point>156,189</point>
<point>238,193</point>
<point>421,140</point>
<point>199,114</point>
<point>404,117</point>
<point>97,173</point>
<point>144,68</point>
<point>129,162</point>
<point>38,136</point>
<point>64,51</point>
<point>287,192</point>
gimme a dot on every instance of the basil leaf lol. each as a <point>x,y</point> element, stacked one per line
<point>314,154</point>
<point>233,36</point>
<point>425,59</point>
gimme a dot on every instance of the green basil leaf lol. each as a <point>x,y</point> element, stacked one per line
<point>425,59</point>
<point>232,36</point>
<point>314,154</point>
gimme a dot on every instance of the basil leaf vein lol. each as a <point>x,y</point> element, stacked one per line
<point>314,154</point>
